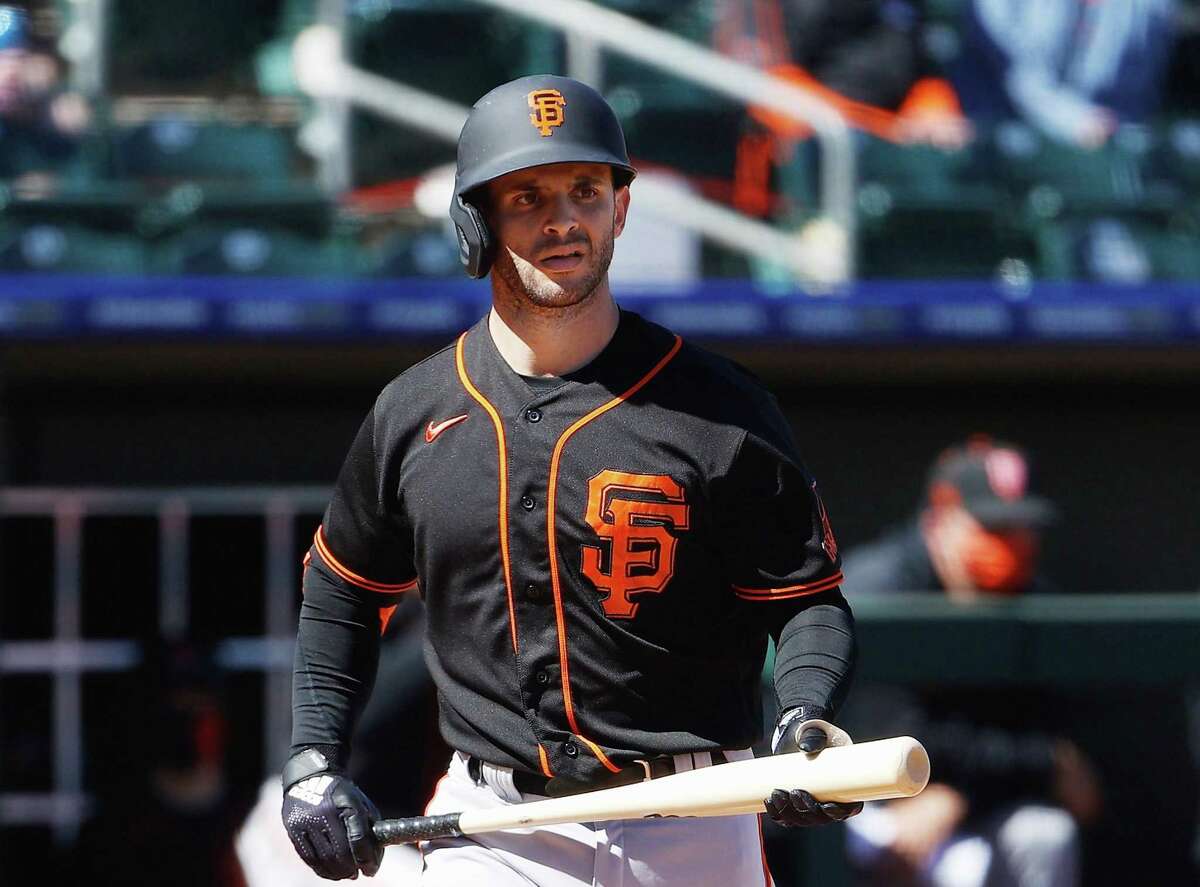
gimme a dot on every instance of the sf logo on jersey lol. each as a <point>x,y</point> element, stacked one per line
<point>547,107</point>
<point>634,516</point>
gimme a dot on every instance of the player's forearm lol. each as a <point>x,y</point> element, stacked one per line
<point>337,651</point>
<point>815,652</point>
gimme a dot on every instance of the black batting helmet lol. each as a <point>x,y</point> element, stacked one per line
<point>528,122</point>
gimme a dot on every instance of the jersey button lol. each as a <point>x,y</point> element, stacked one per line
<point>534,415</point>
<point>527,503</point>
<point>570,749</point>
<point>543,678</point>
<point>535,593</point>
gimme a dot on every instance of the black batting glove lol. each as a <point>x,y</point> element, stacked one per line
<point>329,819</point>
<point>805,730</point>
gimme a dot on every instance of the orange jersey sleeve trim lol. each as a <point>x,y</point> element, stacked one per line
<point>349,575</point>
<point>555,583</point>
<point>789,591</point>
<point>545,762</point>
<point>502,518</point>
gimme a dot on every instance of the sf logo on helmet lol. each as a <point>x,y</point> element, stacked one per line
<point>641,547</point>
<point>547,107</point>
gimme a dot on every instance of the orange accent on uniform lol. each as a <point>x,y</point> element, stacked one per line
<point>545,762</point>
<point>352,577</point>
<point>762,849</point>
<point>432,431</point>
<point>436,787</point>
<point>555,585</point>
<point>613,520</point>
<point>790,591</point>
<point>385,616</point>
<point>503,468</point>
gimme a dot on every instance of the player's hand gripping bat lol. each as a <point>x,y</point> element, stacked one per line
<point>867,771</point>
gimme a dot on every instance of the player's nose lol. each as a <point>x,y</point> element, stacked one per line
<point>562,216</point>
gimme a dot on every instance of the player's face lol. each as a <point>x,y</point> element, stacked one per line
<point>555,226</point>
<point>972,559</point>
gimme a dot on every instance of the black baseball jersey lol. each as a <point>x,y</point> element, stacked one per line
<point>600,555</point>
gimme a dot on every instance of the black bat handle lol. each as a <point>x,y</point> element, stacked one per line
<point>416,828</point>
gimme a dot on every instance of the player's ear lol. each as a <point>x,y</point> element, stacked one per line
<point>620,209</point>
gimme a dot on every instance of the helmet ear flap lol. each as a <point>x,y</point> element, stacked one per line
<point>474,239</point>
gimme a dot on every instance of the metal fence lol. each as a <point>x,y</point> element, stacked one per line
<point>66,655</point>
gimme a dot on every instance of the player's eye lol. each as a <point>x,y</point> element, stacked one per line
<point>587,192</point>
<point>525,198</point>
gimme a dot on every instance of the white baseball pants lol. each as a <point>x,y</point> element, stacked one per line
<point>724,851</point>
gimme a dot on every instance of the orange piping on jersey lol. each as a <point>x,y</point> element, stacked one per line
<point>503,468</point>
<point>352,577</point>
<point>545,762</point>
<point>762,849</point>
<point>385,616</point>
<point>437,787</point>
<point>790,591</point>
<point>550,536</point>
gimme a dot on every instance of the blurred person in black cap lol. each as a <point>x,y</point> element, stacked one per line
<point>40,123</point>
<point>1008,799</point>
<point>978,533</point>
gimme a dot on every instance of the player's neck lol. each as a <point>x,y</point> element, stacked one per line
<point>553,344</point>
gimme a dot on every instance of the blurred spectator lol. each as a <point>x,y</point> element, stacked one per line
<point>40,123</point>
<point>978,532</point>
<point>171,816</point>
<point>1075,69</point>
<point>1008,798</point>
<point>865,57</point>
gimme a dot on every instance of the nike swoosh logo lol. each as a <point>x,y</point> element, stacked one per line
<point>432,430</point>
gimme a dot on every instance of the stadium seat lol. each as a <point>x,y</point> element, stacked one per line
<point>941,242</point>
<point>1112,176</point>
<point>250,250</point>
<point>1179,153</point>
<point>196,46</point>
<point>425,253</point>
<point>924,176</point>
<point>174,148</point>
<point>1132,247</point>
<point>434,34</point>
<point>49,247</point>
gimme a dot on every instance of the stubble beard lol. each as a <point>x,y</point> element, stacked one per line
<point>531,288</point>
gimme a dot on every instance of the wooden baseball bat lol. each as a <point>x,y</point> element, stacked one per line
<point>867,771</point>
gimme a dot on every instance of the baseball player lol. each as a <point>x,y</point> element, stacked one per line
<point>606,524</point>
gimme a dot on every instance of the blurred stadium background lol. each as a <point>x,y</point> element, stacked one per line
<point>216,246</point>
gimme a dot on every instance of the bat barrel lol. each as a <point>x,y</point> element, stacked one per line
<point>867,771</point>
